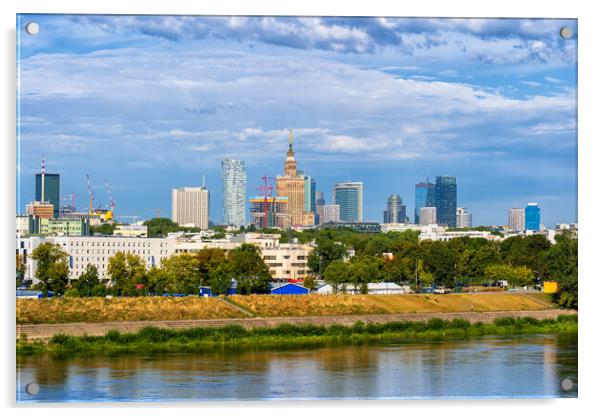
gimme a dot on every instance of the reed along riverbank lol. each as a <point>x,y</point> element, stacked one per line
<point>286,336</point>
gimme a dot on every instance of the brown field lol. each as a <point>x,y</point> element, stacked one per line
<point>48,311</point>
<point>323,305</point>
<point>35,311</point>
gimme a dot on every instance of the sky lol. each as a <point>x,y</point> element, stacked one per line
<point>151,103</point>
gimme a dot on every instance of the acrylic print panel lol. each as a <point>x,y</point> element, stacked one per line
<point>259,208</point>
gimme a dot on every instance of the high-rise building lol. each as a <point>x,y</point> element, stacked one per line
<point>349,196</point>
<point>274,207</point>
<point>190,206</point>
<point>329,213</point>
<point>516,219</point>
<point>424,197</point>
<point>292,186</point>
<point>428,215</point>
<point>446,200</point>
<point>309,187</point>
<point>40,210</point>
<point>234,185</point>
<point>395,212</point>
<point>49,184</point>
<point>463,218</point>
<point>532,217</point>
<point>320,199</point>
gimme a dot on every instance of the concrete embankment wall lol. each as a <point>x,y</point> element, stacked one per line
<point>46,331</point>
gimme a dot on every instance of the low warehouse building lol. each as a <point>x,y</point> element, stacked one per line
<point>288,289</point>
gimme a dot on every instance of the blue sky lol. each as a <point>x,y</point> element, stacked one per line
<point>151,103</point>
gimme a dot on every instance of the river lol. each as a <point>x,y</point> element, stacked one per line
<point>486,367</point>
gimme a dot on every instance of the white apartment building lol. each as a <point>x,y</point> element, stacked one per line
<point>516,219</point>
<point>97,251</point>
<point>438,235</point>
<point>190,206</point>
<point>463,218</point>
<point>287,261</point>
<point>428,215</point>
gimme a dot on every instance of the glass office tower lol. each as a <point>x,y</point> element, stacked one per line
<point>424,196</point>
<point>532,217</point>
<point>349,196</point>
<point>52,190</point>
<point>234,184</point>
<point>446,200</point>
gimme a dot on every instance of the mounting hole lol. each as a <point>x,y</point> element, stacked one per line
<point>566,384</point>
<point>32,389</point>
<point>566,32</point>
<point>32,28</point>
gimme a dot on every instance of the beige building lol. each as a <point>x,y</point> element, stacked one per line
<point>329,213</point>
<point>190,207</point>
<point>292,186</point>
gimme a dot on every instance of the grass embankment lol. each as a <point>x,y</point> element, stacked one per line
<point>285,336</point>
<point>66,310</point>
<point>319,305</point>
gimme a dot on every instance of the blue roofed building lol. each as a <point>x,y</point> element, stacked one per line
<point>288,289</point>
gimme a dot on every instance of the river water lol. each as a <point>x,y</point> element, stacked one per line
<point>486,367</point>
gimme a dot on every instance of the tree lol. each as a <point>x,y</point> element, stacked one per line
<point>337,275</point>
<point>21,269</point>
<point>310,282</point>
<point>363,270</point>
<point>160,281</point>
<point>128,274</point>
<point>52,269</point>
<point>104,229</point>
<point>208,260</point>
<point>516,276</point>
<point>184,272</point>
<point>220,279</point>
<point>526,251</point>
<point>326,251</point>
<point>442,262</point>
<point>250,271</point>
<point>87,281</point>
<point>160,227</point>
<point>562,265</point>
<point>426,278</point>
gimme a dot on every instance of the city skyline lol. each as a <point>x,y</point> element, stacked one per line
<point>498,112</point>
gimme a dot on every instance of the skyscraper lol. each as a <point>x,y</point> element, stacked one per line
<point>395,212</point>
<point>292,186</point>
<point>532,217</point>
<point>52,189</point>
<point>446,200</point>
<point>234,185</point>
<point>516,219</point>
<point>309,187</point>
<point>463,218</point>
<point>349,196</point>
<point>190,206</point>
<point>428,215</point>
<point>424,197</point>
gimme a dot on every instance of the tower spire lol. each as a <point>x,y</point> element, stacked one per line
<point>290,139</point>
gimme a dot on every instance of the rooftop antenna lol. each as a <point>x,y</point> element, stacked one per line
<point>43,173</point>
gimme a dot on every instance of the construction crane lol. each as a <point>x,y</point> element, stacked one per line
<point>157,211</point>
<point>90,193</point>
<point>111,213</point>
<point>266,189</point>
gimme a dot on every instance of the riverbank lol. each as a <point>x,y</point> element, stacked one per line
<point>286,336</point>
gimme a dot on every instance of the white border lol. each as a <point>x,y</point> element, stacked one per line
<point>589,188</point>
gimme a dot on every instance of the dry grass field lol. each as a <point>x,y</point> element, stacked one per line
<point>36,311</point>
<point>320,305</point>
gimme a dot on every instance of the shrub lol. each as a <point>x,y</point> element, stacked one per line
<point>505,321</point>
<point>436,323</point>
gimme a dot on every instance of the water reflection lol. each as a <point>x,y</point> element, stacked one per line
<point>519,366</point>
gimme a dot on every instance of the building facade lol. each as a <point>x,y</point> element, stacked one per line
<point>516,219</point>
<point>328,213</point>
<point>40,209</point>
<point>292,186</point>
<point>532,217</point>
<point>52,190</point>
<point>446,200</point>
<point>234,185</point>
<point>463,218</point>
<point>190,206</point>
<point>428,215</point>
<point>269,212</point>
<point>309,186</point>
<point>349,197</point>
<point>395,212</point>
<point>424,196</point>
<point>74,227</point>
